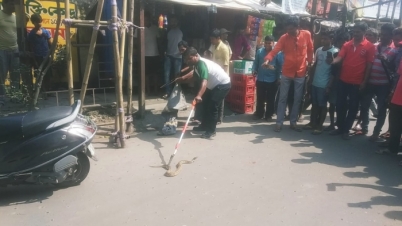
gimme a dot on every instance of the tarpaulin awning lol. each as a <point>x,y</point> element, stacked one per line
<point>247,5</point>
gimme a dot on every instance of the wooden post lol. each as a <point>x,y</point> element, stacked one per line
<point>122,51</point>
<point>129,125</point>
<point>70,78</point>
<point>91,51</point>
<point>119,82</point>
<point>141,99</point>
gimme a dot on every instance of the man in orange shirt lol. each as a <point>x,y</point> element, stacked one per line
<point>357,57</point>
<point>297,48</point>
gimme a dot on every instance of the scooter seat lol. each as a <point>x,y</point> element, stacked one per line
<point>11,127</point>
<point>38,121</point>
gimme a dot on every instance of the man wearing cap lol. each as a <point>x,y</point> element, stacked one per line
<point>224,39</point>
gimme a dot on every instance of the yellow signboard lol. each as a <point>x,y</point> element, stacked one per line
<point>48,11</point>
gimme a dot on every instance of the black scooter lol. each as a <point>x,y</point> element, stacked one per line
<point>47,146</point>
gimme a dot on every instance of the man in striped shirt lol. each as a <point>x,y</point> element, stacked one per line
<point>378,82</point>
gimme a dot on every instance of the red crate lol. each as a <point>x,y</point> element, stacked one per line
<point>244,89</point>
<point>239,98</point>
<point>242,108</point>
<point>245,80</point>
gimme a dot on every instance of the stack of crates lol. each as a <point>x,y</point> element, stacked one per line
<point>242,94</point>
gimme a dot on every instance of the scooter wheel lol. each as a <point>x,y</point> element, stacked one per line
<point>80,174</point>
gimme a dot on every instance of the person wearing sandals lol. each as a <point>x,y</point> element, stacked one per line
<point>321,83</point>
<point>357,57</point>
<point>297,48</point>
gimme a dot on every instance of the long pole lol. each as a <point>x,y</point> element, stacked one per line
<point>91,51</point>
<point>70,79</point>
<point>129,128</point>
<point>400,14</point>
<point>378,13</point>
<point>141,99</point>
<point>119,82</point>
<point>393,11</point>
<point>122,52</point>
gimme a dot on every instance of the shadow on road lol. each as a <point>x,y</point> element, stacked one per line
<point>17,195</point>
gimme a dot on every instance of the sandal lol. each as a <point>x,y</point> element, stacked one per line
<point>308,127</point>
<point>317,132</point>
<point>278,128</point>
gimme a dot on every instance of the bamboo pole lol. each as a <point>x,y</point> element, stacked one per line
<point>378,14</point>
<point>119,82</point>
<point>122,52</point>
<point>141,99</point>
<point>70,79</point>
<point>393,11</point>
<point>129,125</point>
<point>91,51</point>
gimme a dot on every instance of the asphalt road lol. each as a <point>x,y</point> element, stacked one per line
<point>247,175</point>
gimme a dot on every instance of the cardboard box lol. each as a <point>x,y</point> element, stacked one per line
<point>243,66</point>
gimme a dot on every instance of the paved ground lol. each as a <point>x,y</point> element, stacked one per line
<point>248,175</point>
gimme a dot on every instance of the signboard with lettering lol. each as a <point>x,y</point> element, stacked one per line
<point>48,11</point>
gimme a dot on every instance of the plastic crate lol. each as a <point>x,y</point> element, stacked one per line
<point>241,79</point>
<point>239,98</point>
<point>243,89</point>
<point>242,108</point>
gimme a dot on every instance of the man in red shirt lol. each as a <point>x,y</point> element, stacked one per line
<point>297,48</point>
<point>357,57</point>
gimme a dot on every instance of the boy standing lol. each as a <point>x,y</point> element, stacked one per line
<point>267,80</point>
<point>40,41</point>
<point>321,83</point>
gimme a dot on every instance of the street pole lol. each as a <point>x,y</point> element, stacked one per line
<point>141,99</point>
<point>70,79</point>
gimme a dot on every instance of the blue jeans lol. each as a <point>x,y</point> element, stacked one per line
<point>9,64</point>
<point>169,60</point>
<point>283,97</point>
<point>347,105</point>
<point>382,92</point>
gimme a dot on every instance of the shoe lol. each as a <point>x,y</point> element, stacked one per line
<point>165,96</point>
<point>335,132</point>
<point>358,127</point>
<point>208,135</point>
<point>362,132</point>
<point>346,136</point>
<point>199,128</point>
<point>219,122</point>
<point>374,137</point>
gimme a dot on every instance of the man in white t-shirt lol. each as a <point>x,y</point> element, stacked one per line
<point>151,34</point>
<point>215,85</point>
<point>8,46</point>
<point>172,56</point>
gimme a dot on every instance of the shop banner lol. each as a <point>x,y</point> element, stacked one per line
<point>294,7</point>
<point>48,11</point>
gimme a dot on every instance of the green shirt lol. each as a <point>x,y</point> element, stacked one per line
<point>8,32</point>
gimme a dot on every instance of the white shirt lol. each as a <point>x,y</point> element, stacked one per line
<point>151,44</point>
<point>216,75</point>
<point>174,37</point>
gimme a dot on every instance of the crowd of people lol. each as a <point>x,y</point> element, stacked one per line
<point>351,73</point>
<point>39,41</point>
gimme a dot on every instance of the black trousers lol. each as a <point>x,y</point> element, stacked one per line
<point>266,92</point>
<point>212,101</point>
<point>395,127</point>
